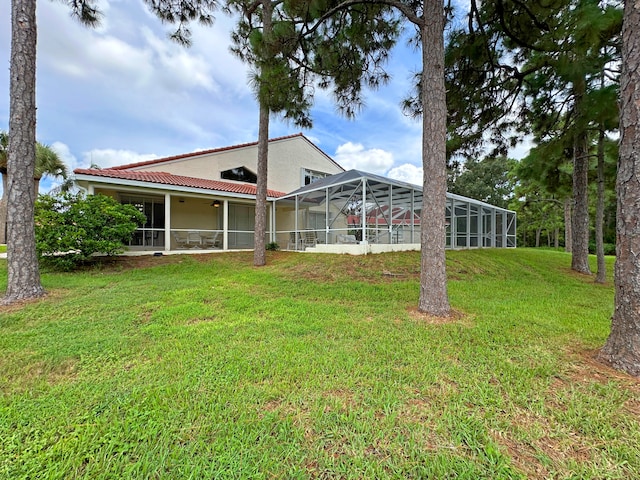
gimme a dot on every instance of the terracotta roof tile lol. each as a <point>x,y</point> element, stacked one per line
<point>164,178</point>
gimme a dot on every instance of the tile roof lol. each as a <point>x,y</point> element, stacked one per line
<point>164,178</point>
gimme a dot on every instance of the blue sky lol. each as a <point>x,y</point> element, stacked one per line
<point>123,92</point>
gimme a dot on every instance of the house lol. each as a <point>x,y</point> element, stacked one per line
<point>206,201</point>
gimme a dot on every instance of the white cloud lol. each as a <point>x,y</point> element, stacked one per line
<point>140,58</point>
<point>64,152</point>
<point>355,156</point>
<point>178,67</point>
<point>105,158</point>
<point>407,173</point>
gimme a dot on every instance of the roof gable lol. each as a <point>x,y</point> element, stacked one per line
<point>213,151</point>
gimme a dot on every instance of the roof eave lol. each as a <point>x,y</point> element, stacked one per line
<point>99,180</point>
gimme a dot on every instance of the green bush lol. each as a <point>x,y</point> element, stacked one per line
<point>70,228</point>
<point>609,248</point>
<point>272,246</point>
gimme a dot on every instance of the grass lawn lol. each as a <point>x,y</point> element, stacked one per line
<point>315,366</point>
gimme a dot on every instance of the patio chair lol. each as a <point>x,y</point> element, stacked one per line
<point>347,239</point>
<point>210,240</point>
<point>194,240</point>
<point>294,241</point>
<point>309,239</point>
<point>181,239</point>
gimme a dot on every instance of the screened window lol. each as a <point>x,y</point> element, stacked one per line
<point>151,234</point>
<point>310,176</point>
<point>239,174</point>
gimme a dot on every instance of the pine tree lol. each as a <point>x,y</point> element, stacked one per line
<point>289,45</point>
<point>622,349</point>
<point>531,67</point>
<point>22,262</point>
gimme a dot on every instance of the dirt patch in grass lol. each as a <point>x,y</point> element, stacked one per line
<point>124,263</point>
<point>548,454</point>
<point>586,367</point>
<point>455,316</point>
<point>19,305</point>
<point>552,452</point>
<point>331,268</point>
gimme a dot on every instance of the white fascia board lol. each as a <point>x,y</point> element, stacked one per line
<point>120,182</point>
<point>455,196</point>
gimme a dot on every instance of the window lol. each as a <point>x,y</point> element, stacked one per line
<point>310,176</point>
<point>239,174</point>
<point>152,232</point>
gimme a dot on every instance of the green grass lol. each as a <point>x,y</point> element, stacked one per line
<point>315,366</point>
<point>3,249</point>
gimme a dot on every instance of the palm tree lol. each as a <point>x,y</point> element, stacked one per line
<point>48,162</point>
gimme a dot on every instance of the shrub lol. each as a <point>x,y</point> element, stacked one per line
<point>273,246</point>
<point>609,248</point>
<point>70,228</point>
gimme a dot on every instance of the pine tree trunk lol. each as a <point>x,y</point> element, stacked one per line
<point>601,275</point>
<point>23,280</point>
<point>622,349</point>
<point>3,210</point>
<point>434,299</point>
<point>538,234</point>
<point>556,238</point>
<point>580,224</point>
<point>260,228</point>
<point>568,237</point>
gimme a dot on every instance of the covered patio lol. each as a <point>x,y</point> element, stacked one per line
<point>358,212</point>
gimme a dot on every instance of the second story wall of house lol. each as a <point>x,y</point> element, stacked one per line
<point>293,162</point>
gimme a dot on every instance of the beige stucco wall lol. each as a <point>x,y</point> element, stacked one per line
<point>287,158</point>
<point>195,213</point>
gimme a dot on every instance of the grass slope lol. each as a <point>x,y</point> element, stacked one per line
<point>315,366</point>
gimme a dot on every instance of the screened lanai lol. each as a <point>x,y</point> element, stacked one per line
<point>353,209</point>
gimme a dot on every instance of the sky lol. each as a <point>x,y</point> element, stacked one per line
<point>123,92</point>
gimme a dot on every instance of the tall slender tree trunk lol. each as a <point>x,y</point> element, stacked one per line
<point>434,299</point>
<point>259,248</point>
<point>3,210</point>
<point>601,275</point>
<point>556,238</point>
<point>23,280</point>
<point>580,224</point>
<point>260,226</point>
<point>622,349</point>
<point>568,234</point>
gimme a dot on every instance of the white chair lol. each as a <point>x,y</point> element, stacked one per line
<point>181,239</point>
<point>347,239</point>
<point>210,240</point>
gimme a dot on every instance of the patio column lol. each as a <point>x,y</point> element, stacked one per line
<point>167,222</point>
<point>225,224</point>
<point>413,214</point>
<point>390,214</point>
<point>326,216</point>
<point>272,222</point>
<point>493,227</point>
<point>504,229</point>
<point>364,211</point>
<point>468,225</point>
